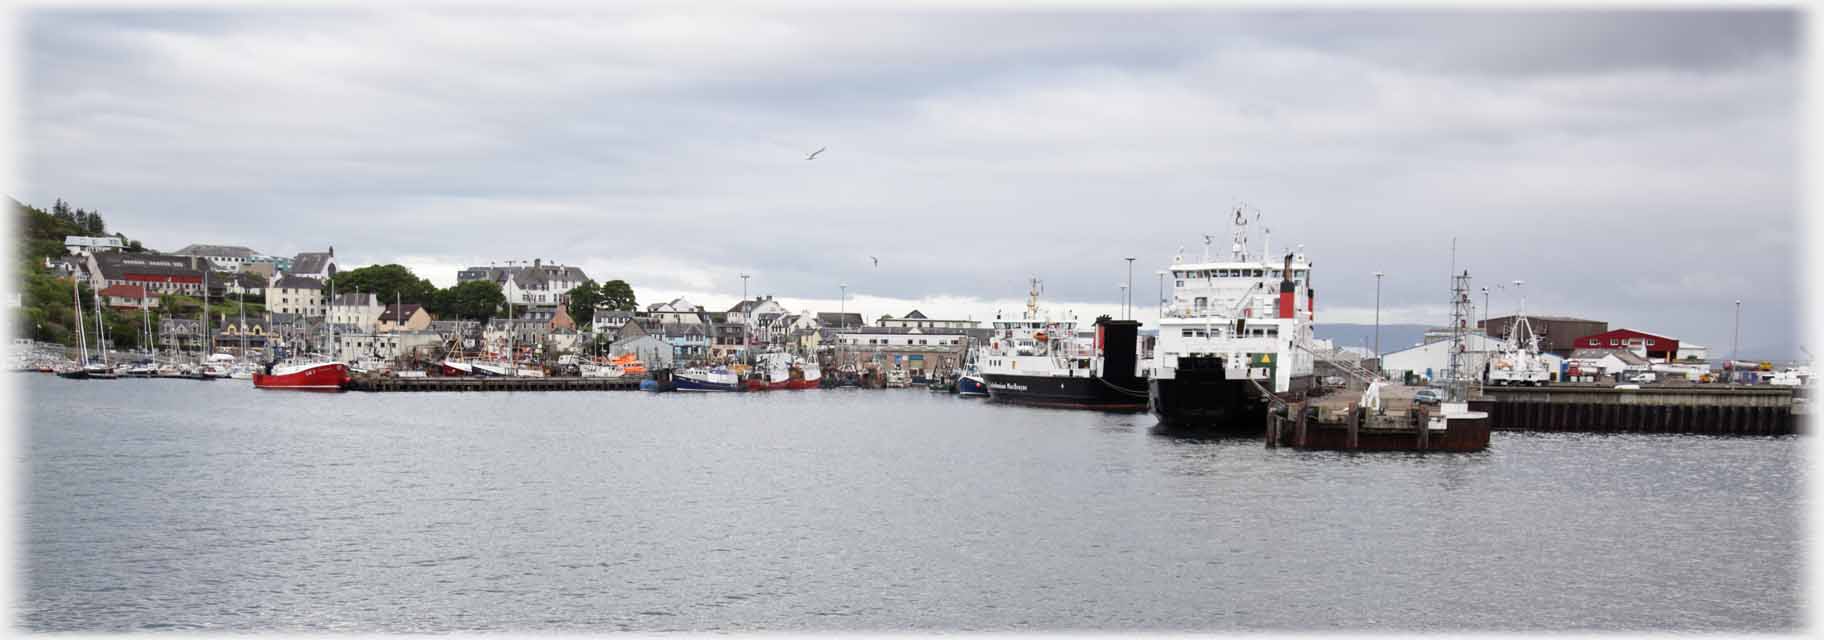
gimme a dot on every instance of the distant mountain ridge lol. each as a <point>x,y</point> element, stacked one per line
<point>1394,337</point>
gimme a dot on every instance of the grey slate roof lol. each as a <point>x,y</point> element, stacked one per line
<point>310,262</point>
<point>394,312</point>
<point>115,266</point>
<point>915,315</point>
<point>297,282</point>
<point>216,250</point>
<point>354,299</point>
<point>840,319</point>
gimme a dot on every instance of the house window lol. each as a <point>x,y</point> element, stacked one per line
<point>1649,343</point>
<point>1614,342</point>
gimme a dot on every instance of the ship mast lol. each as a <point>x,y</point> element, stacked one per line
<point>1461,308</point>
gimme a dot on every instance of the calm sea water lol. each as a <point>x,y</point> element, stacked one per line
<point>171,504</point>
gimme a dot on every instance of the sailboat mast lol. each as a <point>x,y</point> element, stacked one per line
<point>243,300</point>
<point>203,355</point>
<point>101,330</point>
<point>82,338</point>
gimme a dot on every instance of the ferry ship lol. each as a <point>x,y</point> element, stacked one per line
<point>1231,330</point>
<point>1036,360</point>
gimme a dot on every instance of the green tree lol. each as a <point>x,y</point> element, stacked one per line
<point>617,294</point>
<point>390,282</point>
<point>472,300</point>
<point>582,301</point>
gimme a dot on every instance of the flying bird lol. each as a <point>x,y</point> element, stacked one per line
<point>876,262</point>
<point>813,155</point>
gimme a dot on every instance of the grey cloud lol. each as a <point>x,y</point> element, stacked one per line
<point>968,149</point>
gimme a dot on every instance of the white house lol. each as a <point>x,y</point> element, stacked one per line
<point>356,309</point>
<point>1688,351</point>
<point>314,265</point>
<point>222,257</point>
<point>678,311</point>
<point>917,320</point>
<point>876,337</point>
<point>296,295</point>
<point>1608,361</point>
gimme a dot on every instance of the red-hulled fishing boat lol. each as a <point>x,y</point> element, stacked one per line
<point>312,376</point>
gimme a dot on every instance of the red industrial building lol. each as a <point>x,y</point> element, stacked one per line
<point>1657,347</point>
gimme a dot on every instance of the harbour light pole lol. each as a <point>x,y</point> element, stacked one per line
<point>1486,330</point>
<point>1377,319</point>
<point>843,307</point>
<point>1123,298</point>
<point>1736,342</point>
<point>1128,290</point>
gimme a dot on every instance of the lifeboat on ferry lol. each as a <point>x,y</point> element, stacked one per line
<point>1040,336</point>
<point>310,376</point>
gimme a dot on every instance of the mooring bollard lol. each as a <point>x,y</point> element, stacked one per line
<point>1355,426</point>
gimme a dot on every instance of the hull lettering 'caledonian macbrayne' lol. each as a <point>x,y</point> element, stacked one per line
<point>1109,381</point>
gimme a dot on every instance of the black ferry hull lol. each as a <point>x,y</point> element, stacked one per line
<point>1064,392</point>
<point>1206,401</point>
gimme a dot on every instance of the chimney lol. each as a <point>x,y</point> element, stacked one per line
<point>1286,289</point>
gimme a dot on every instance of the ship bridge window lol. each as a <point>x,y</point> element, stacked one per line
<point>1200,303</point>
<point>1256,273</point>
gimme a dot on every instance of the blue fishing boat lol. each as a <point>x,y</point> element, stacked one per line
<point>697,379</point>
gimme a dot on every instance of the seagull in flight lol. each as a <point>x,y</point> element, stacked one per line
<point>876,262</point>
<point>813,155</point>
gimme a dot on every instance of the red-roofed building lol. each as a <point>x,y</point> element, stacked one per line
<point>1656,347</point>
<point>128,296</point>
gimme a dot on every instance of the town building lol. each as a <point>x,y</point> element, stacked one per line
<point>1654,347</point>
<point>403,317</point>
<point>296,295</point>
<point>243,284</point>
<point>159,274</point>
<point>608,320</point>
<point>261,266</point>
<point>180,335</point>
<point>919,353</point>
<point>375,348</point>
<point>86,245</point>
<point>1431,361</point>
<point>229,332</point>
<point>128,296</point>
<point>1593,364</point>
<point>1692,352</point>
<point>678,310</point>
<point>1557,334</point>
<point>840,321</point>
<point>690,342</point>
<point>652,351</point>
<point>221,257</point>
<point>537,287</point>
<point>358,310</point>
<point>917,320</point>
<point>313,265</point>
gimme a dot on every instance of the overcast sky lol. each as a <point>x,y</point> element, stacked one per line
<point>1629,166</point>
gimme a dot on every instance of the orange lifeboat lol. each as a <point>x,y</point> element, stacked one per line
<point>1040,336</point>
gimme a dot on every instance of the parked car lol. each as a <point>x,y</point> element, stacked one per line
<point>1428,396</point>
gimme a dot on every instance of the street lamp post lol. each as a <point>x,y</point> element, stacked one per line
<point>1128,290</point>
<point>1123,298</point>
<point>747,325</point>
<point>843,306</point>
<point>1377,319</point>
